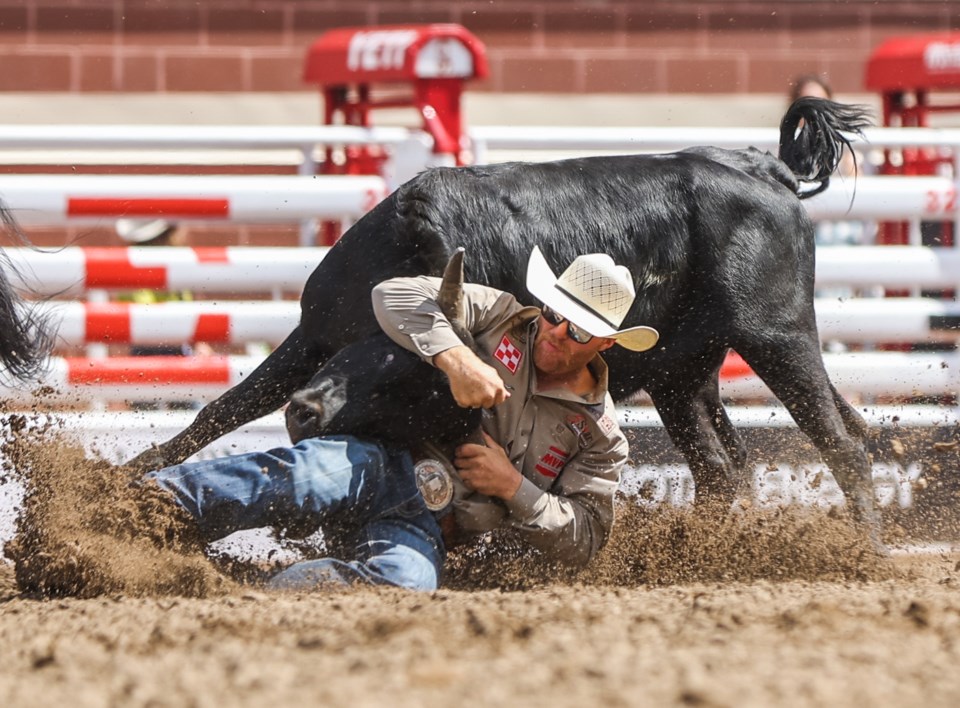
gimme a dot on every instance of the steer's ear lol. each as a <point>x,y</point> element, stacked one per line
<point>450,297</point>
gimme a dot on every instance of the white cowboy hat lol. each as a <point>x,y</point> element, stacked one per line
<point>594,293</point>
<point>143,230</point>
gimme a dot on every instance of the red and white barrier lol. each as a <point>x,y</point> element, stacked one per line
<point>246,270</point>
<point>251,269</point>
<point>228,269</point>
<point>913,319</point>
<point>234,322</point>
<point>175,322</point>
<point>71,380</point>
<point>894,374</point>
<point>54,199</point>
<point>889,266</point>
<point>886,198</point>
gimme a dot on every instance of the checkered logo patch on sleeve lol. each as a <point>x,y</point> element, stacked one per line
<point>508,355</point>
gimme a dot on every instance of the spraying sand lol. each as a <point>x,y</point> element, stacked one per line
<point>112,602</point>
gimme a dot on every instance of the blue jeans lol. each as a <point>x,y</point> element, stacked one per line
<point>364,496</point>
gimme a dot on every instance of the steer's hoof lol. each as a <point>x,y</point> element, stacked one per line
<point>866,514</point>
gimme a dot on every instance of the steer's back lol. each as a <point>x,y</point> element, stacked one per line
<point>671,219</point>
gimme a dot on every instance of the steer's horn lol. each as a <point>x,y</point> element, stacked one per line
<point>450,297</point>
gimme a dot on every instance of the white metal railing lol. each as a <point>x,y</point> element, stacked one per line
<point>850,320</point>
<point>869,198</point>
<point>245,269</point>
<point>78,380</point>
<point>55,199</point>
<point>237,269</point>
<point>180,138</point>
<point>484,139</point>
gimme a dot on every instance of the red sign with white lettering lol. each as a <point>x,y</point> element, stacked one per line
<point>395,53</point>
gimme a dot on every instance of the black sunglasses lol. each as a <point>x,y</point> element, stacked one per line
<point>577,334</point>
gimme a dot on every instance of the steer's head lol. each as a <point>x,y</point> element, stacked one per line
<point>376,388</point>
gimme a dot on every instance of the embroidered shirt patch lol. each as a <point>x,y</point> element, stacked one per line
<point>606,424</point>
<point>579,426</point>
<point>552,462</point>
<point>508,355</point>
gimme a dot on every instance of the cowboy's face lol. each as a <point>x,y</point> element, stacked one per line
<point>555,354</point>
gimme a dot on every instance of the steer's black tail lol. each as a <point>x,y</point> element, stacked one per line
<point>812,138</point>
<point>26,337</point>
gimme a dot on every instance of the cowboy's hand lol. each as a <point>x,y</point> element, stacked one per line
<point>486,469</point>
<point>473,383</point>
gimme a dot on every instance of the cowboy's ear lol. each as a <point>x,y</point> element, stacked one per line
<point>606,343</point>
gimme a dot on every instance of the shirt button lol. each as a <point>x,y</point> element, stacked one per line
<point>399,326</point>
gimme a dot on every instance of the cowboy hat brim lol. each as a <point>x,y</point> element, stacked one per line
<point>542,284</point>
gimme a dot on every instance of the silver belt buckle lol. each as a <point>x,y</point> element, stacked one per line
<point>434,482</point>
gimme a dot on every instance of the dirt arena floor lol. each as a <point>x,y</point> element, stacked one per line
<point>108,607</point>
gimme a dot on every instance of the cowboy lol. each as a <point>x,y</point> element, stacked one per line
<point>547,463</point>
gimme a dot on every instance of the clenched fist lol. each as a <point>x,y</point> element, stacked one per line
<point>473,383</point>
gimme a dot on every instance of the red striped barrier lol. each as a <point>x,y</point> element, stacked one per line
<point>249,269</point>
<point>54,199</point>
<point>175,322</point>
<point>891,374</point>
<point>75,380</point>
<point>236,322</point>
<point>202,269</point>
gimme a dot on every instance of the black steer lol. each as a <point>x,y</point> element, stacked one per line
<point>722,254</point>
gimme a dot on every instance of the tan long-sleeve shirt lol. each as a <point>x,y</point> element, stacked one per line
<point>569,449</point>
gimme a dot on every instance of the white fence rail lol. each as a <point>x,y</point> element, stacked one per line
<point>76,380</point>
<point>209,321</point>
<point>252,269</point>
<point>234,322</point>
<point>270,198</point>
<point>235,269</point>
<point>528,138</point>
<point>55,199</point>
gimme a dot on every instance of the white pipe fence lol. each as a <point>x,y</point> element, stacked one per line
<point>76,380</point>
<point>56,199</point>
<point>852,320</point>
<point>233,269</point>
<point>485,139</point>
<point>49,198</point>
<point>241,269</point>
<point>120,436</point>
<point>210,321</point>
<point>249,270</point>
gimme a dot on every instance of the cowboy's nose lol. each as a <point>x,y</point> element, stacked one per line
<point>547,324</point>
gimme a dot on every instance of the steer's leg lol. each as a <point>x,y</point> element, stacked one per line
<point>697,423</point>
<point>793,369</point>
<point>267,388</point>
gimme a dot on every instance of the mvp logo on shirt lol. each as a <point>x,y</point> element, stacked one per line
<point>551,464</point>
<point>508,355</point>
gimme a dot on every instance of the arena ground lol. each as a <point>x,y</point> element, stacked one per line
<point>762,643</point>
<point>758,608</point>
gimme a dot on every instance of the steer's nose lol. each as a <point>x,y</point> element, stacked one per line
<point>303,421</point>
